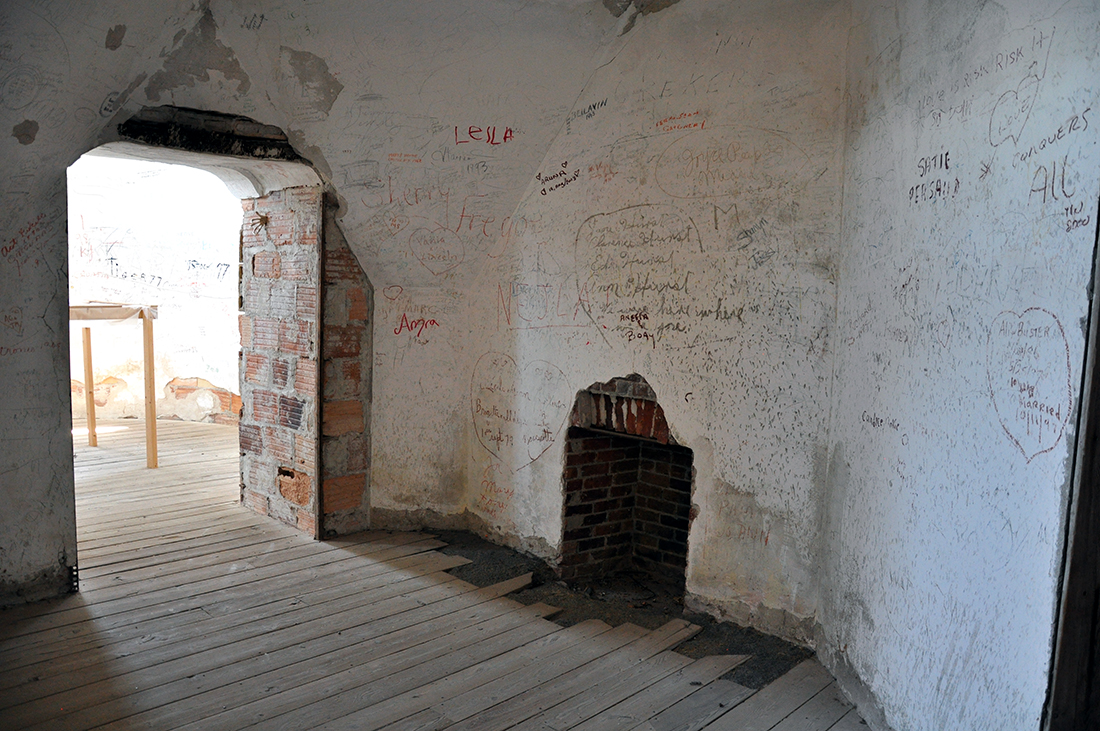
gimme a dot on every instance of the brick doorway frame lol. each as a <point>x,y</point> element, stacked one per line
<point>307,311</point>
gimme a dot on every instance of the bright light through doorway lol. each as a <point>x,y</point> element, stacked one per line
<point>148,233</point>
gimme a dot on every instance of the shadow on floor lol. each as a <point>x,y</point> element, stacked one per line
<point>626,597</point>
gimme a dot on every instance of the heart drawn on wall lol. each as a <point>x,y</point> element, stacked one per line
<point>13,319</point>
<point>1012,110</point>
<point>392,292</point>
<point>1029,378</point>
<point>517,412</point>
<point>438,249</point>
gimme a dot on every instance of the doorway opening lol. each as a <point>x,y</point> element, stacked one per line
<point>252,359</point>
<point>627,488</point>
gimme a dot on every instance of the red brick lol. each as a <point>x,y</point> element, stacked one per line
<point>660,426</point>
<point>244,324</point>
<point>342,342</point>
<point>255,366</point>
<point>306,307</point>
<point>305,452</point>
<point>266,264</point>
<point>294,338</point>
<point>296,268</point>
<point>265,333</point>
<point>280,372</point>
<point>343,493</point>
<point>342,417</point>
<point>295,486</point>
<point>341,266</point>
<point>265,407</point>
<point>255,502</point>
<point>251,439</point>
<point>357,304</point>
<point>290,412</point>
<point>280,444</point>
<point>644,425</point>
<point>306,522</point>
<point>305,377</point>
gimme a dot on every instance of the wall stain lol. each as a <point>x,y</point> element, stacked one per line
<point>25,131</point>
<point>319,87</point>
<point>114,37</point>
<point>196,54</point>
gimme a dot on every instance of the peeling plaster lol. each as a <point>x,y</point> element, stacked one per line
<point>197,54</point>
<point>319,88</point>
<point>25,131</point>
<point>114,37</point>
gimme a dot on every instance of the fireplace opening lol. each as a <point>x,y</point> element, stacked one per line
<point>627,505</point>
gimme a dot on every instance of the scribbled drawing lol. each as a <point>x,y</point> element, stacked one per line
<point>439,249</point>
<point>641,259</point>
<point>1013,108</point>
<point>517,411</point>
<point>1029,378</point>
<point>496,492</point>
<point>742,163</point>
<point>19,88</point>
<point>12,319</point>
<point>392,292</point>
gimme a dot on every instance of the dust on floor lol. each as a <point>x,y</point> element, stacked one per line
<point>626,597</point>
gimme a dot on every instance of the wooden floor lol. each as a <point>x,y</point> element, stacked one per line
<point>196,614</point>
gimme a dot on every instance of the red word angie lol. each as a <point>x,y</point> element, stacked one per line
<point>487,135</point>
<point>419,325</point>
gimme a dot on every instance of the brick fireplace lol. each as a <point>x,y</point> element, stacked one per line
<point>627,487</point>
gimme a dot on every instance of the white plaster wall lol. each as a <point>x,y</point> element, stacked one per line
<point>960,310</point>
<point>372,94</point>
<point>694,195</point>
<point>155,234</point>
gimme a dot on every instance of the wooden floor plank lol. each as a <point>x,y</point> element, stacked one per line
<point>564,686</point>
<point>603,694</point>
<point>196,614</point>
<point>850,721</point>
<point>216,628</point>
<point>402,706</point>
<point>662,695</point>
<point>698,709</point>
<point>329,578</point>
<point>820,713</point>
<point>773,703</point>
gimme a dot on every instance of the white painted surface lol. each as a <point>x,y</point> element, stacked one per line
<point>860,460</point>
<point>958,314</point>
<point>155,234</point>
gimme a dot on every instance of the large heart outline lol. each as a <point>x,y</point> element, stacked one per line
<point>1012,110</point>
<point>517,412</point>
<point>440,250</point>
<point>1028,370</point>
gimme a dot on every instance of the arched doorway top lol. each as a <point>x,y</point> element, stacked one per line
<point>244,177</point>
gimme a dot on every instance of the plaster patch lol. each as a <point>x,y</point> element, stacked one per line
<point>319,88</point>
<point>25,131</point>
<point>196,54</point>
<point>114,37</point>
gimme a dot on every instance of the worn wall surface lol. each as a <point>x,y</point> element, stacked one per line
<point>846,243</point>
<point>374,96</point>
<point>164,235</point>
<point>969,221</point>
<point>694,195</point>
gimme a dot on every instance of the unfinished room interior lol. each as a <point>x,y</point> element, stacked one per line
<point>784,304</point>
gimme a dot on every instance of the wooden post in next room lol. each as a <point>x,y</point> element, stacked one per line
<point>89,386</point>
<point>150,391</point>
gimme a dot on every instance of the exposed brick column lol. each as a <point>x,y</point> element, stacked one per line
<point>346,388</point>
<point>279,431</point>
